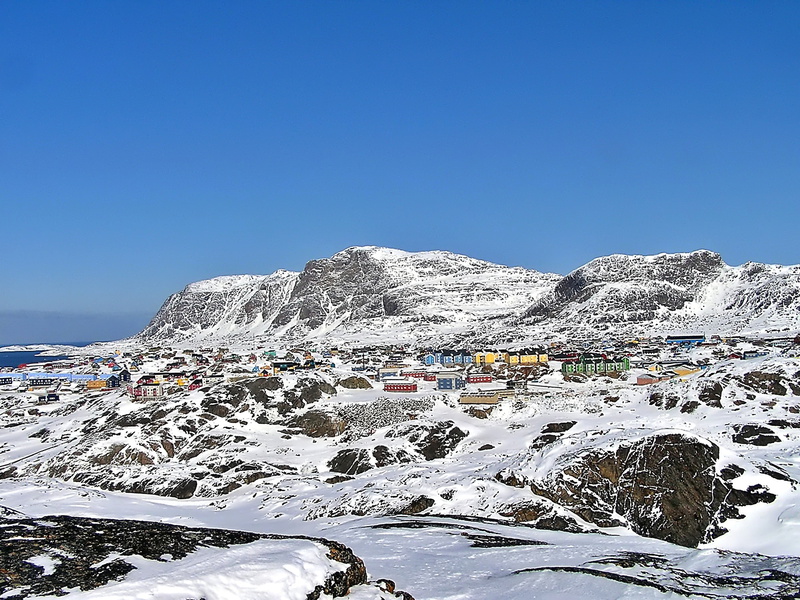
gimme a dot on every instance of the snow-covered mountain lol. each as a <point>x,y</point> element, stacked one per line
<point>665,293</point>
<point>361,294</point>
<point>371,294</point>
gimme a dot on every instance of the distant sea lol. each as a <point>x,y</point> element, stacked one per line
<point>14,359</point>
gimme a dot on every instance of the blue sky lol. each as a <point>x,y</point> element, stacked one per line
<point>146,145</point>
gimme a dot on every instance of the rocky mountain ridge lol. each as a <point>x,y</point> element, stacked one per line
<point>380,295</point>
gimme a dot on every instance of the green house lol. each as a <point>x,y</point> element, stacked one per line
<point>592,366</point>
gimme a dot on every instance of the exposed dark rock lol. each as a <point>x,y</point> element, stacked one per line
<point>355,382</point>
<point>219,410</point>
<point>8,472</point>
<point>551,433</point>
<point>667,401</point>
<point>81,543</point>
<point>543,441</point>
<point>730,472</point>
<point>486,447</point>
<point>711,394</point>
<point>558,427</point>
<point>385,456</point>
<point>498,541</point>
<point>480,413</point>
<point>541,515</point>
<point>305,392</point>
<point>353,461</point>
<point>416,506</point>
<point>784,424</point>
<point>338,479</point>
<point>316,423</point>
<point>433,440</point>
<point>182,490</point>
<point>664,486</point>
<point>754,435</point>
<point>770,383</point>
<point>776,473</point>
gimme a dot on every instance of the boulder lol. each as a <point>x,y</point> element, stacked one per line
<point>355,382</point>
<point>754,435</point>
<point>710,393</point>
<point>432,440</point>
<point>775,384</point>
<point>317,423</point>
<point>353,461</point>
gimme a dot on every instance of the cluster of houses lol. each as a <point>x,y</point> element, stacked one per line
<point>397,368</point>
<point>54,380</point>
<point>527,356</point>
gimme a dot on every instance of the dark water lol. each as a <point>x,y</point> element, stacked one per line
<point>14,359</point>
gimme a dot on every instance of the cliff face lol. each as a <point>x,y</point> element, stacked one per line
<point>361,291</point>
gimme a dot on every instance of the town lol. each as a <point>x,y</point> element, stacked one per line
<point>484,376</point>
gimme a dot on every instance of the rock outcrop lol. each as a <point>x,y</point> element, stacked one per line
<point>663,486</point>
<point>48,555</point>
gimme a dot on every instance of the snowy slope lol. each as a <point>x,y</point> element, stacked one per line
<point>222,306</point>
<point>695,292</point>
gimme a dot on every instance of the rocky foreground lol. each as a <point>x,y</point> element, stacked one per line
<point>61,555</point>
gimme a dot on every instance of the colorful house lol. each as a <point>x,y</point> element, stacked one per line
<point>651,378</point>
<point>386,372</point>
<point>492,397</point>
<point>685,340</point>
<point>399,384</point>
<point>526,356</point>
<point>486,358</point>
<point>151,390</point>
<point>596,365</point>
<point>415,373</point>
<point>447,380</point>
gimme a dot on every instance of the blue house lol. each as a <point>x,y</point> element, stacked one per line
<point>449,381</point>
<point>685,340</point>
<point>463,357</point>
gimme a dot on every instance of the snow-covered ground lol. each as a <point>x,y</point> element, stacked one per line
<point>258,470</point>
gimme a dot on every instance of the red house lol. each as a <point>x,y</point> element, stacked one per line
<point>399,385</point>
<point>479,378</point>
<point>415,374</point>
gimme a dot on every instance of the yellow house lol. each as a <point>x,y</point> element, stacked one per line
<point>679,370</point>
<point>96,384</point>
<point>525,357</point>
<point>682,370</point>
<point>486,358</point>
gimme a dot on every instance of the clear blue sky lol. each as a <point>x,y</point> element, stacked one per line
<point>146,145</point>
